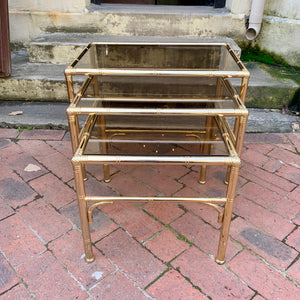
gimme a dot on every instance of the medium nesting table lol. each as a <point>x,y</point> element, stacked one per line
<point>165,104</point>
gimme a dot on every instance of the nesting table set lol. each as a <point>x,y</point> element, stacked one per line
<point>157,104</point>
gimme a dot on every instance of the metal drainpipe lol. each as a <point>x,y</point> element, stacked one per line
<point>255,19</point>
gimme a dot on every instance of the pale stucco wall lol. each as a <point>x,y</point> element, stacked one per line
<point>49,5</point>
<point>280,32</point>
<point>283,8</point>
<point>279,8</point>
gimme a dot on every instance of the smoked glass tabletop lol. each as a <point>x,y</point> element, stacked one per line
<point>146,135</point>
<point>176,57</point>
<point>146,92</point>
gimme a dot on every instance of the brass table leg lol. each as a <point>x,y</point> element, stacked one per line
<point>234,172</point>
<point>103,147</point>
<point>239,131</point>
<point>207,147</point>
<point>74,133</point>
<point>85,228</point>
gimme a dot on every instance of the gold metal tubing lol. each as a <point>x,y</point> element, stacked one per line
<point>103,148</point>
<point>168,199</point>
<point>157,111</point>
<point>94,64</point>
<point>174,141</point>
<point>78,173</point>
<point>77,59</point>
<point>219,210</point>
<point>227,84</point>
<point>154,131</point>
<point>161,43</point>
<point>158,72</point>
<point>85,85</point>
<point>74,131</point>
<point>244,86</point>
<point>240,104</point>
<point>70,87</point>
<point>155,100</point>
<point>85,134</point>
<point>167,160</point>
<point>196,136</point>
<point>80,93</point>
<point>228,129</point>
<point>241,134</point>
<point>92,207</point>
<point>237,60</point>
<point>236,127</point>
<point>88,126</point>
<point>206,147</point>
<point>235,96</point>
<point>220,258</point>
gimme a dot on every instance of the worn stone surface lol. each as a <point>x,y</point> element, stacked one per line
<point>64,47</point>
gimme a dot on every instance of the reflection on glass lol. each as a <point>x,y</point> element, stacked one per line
<point>166,136</point>
<point>172,57</point>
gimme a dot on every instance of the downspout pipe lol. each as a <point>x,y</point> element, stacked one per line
<point>255,19</point>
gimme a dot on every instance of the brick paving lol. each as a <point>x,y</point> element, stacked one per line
<point>147,250</point>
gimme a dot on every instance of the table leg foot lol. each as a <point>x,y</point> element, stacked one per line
<point>219,262</point>
<point>202,177</point>
<point>106,173</point>
<point>90,260</point>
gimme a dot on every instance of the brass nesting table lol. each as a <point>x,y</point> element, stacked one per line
<point>163,103</point>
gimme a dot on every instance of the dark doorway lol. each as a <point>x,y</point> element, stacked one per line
<point>5,61</point>
<point>129,1</point>
<point>215,3</point>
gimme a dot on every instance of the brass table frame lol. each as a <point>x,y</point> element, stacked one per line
<point>233,139</point>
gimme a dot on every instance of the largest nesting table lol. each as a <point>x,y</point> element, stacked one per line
<point>158,103</point>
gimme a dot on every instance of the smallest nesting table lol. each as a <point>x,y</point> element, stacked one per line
<point>166,104</point>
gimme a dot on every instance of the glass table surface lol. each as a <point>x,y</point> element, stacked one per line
<point>160,136</point>
<point>163,56</point>
<point>118,94</point>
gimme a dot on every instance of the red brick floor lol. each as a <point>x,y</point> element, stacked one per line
<point>147,250</point>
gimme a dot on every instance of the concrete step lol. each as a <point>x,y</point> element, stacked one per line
<point>46,82</point>
<point>143,20</point>
<point>33,81</point>
<point>64,47</point>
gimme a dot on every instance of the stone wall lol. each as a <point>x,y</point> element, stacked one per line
<point>280,31</point>
<point>50,5</point>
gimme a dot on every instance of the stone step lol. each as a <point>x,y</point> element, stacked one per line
<point>33,81</point>
<point>64,47</point>
<point>46,82</point>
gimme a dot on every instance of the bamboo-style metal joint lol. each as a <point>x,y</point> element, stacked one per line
<point>187,161</point>
<point>243,120</point>
<point>76,166</point>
